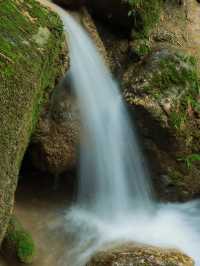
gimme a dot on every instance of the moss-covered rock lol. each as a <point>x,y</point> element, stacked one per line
<point>136,255</point>
<point>31,39</point>
<point>18,242</point>
<point>166,85</point>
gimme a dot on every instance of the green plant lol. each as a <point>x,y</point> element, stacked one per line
<point>190,159</point>
<point>19,242</point>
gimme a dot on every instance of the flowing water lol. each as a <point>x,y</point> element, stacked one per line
<point>114,201</point>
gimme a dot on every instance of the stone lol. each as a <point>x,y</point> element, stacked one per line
<point>29,67</point>
<point>139,255</point>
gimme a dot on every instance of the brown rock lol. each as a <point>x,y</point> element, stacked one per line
<point>136,255</point>
<point>54,145</point>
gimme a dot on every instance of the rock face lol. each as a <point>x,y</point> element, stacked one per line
<point>167,111</point>
<point>167,87</point>
<point>31,40</point>
<point>135,255</point>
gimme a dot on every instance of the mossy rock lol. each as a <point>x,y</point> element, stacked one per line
<point>31,41</point>
<point>166,86</point>
<point>18,242</point>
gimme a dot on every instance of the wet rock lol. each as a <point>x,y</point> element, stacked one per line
<point>53,148</point>
<point>138,255</point>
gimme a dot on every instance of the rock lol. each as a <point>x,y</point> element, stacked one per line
<point>168,123</point>
<point>53,148</point>
<point>127,14</point>
<point>163,85</point>
<point>73,4</point>
<point>138,255</point>
<point>31,40</point>
<point>18,243</point>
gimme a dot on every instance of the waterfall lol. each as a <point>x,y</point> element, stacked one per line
<point>110,161</point>
<point>115,201</point>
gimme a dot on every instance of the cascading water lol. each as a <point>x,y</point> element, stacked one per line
<point>111,163</point>
<point>114,196</point>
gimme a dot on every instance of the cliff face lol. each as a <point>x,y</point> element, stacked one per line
<point>31,41</point>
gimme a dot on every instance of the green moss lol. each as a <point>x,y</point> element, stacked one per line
<point>145,14</point>
<point>19,242</point>
<point>28,70</point>
<point>141,47</point>
<point>177,78</point>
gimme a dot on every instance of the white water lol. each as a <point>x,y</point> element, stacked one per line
<point>114,195</point>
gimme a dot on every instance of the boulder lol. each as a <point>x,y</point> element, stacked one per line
<point>164,89</point>
<point>54,145</point>
<point>138,255</point>
<point>31,41</point>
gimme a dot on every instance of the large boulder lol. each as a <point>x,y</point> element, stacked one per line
<point>31,40</point>
<point>136,255</point>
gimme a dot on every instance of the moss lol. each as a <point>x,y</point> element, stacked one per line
<point>19,242</point>
<point>177,78</point>
<point>141,47</point>
<point>145,14</point>
<point>27,71</point>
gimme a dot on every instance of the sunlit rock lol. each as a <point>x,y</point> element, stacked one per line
<point>138,255</point>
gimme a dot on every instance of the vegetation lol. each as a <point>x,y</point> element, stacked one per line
<point>177,79</point>
<point>145,14</point>
<point>189,160</point>
<point>19,242</point>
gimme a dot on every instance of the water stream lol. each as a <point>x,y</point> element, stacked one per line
<point>115,200</point>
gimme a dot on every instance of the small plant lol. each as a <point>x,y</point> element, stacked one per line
<point>190,159</point>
